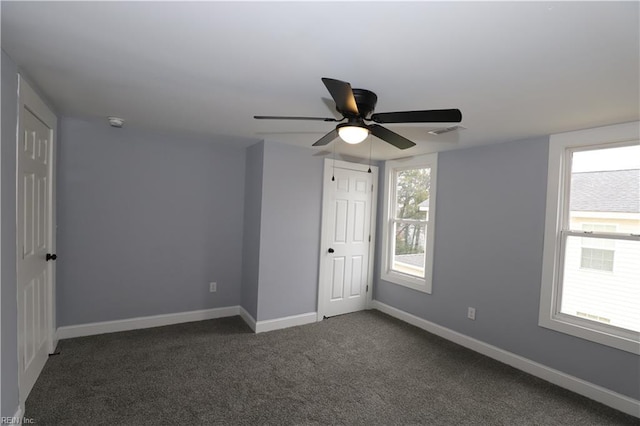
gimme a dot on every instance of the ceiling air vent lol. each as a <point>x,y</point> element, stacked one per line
<point>446,130</point>
<point>116,122</point>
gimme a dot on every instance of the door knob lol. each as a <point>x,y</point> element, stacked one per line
<point>50,257</point>
<point>330,250</point>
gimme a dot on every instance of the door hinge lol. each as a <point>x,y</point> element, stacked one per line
<point>367,288</point>
<point>369,238</point>
<point>371,187</point>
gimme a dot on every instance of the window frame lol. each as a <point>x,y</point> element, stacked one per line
<point>391,167</point>
<point>561,146</point>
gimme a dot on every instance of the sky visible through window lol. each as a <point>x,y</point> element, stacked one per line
<point>623,158</point>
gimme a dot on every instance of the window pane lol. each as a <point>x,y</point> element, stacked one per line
<point>597,259</point>
<point>602,285</point>
<point>409,249</point>
<point>412,193</point>
<point>605,190</point>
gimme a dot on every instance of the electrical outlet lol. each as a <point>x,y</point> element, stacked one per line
<point>471,313</point>
<point>213,287</point>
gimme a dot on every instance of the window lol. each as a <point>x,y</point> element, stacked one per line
<point>597,253</point>
<point>409,206</point>
<point>597,259</point>
<point>591,272</point>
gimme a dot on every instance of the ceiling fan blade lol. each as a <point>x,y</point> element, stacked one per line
<point>327,138</point>
<point>426,116</point>
<point>391,137</point>
<point>279,117</point>
<point>342,95</point>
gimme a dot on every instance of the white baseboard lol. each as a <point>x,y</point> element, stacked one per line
<point>246,316</point>
<point>71,331</point>
<point>605,396</point>
<point>285,322</point>
<point>91,329</point>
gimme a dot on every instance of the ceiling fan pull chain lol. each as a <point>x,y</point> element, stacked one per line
<point>333,173</point>
<point>370,148</point>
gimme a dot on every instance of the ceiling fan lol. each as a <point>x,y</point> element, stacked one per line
<point>355,105</point>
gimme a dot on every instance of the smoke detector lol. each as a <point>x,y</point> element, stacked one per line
<point>115,121</point>
<point>446,130</point>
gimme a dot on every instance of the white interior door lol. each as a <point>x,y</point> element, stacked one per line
<point>347,234</point>
<point>35,235</point>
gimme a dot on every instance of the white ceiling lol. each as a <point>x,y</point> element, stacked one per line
<point>515,69</point>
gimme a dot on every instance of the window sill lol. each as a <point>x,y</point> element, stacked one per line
<point>594,332</point>
<point>407,281</point>
<point>411,270</point>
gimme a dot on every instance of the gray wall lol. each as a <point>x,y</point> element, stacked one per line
<point>8,288</point>
<point>290,232</point>
<point>488,254</point>
<point>145,221</point>
<point>251,232</point>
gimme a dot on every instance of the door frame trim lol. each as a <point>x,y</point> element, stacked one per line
<point>329,165</point>
<point>29,99</point>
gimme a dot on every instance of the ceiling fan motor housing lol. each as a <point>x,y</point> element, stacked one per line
<point>366,102</point>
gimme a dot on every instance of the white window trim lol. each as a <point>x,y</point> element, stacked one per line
<point>386,273</point>
<point>550,316</point>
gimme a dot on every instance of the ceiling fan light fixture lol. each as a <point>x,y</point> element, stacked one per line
<point>352,134</point>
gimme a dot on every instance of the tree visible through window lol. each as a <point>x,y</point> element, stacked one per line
<point>410,222</point>
<point>410,187</point>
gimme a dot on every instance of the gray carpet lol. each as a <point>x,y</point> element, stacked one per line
<point>359,369</point>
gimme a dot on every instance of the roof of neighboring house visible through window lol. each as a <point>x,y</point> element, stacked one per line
<point>606,191</point>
